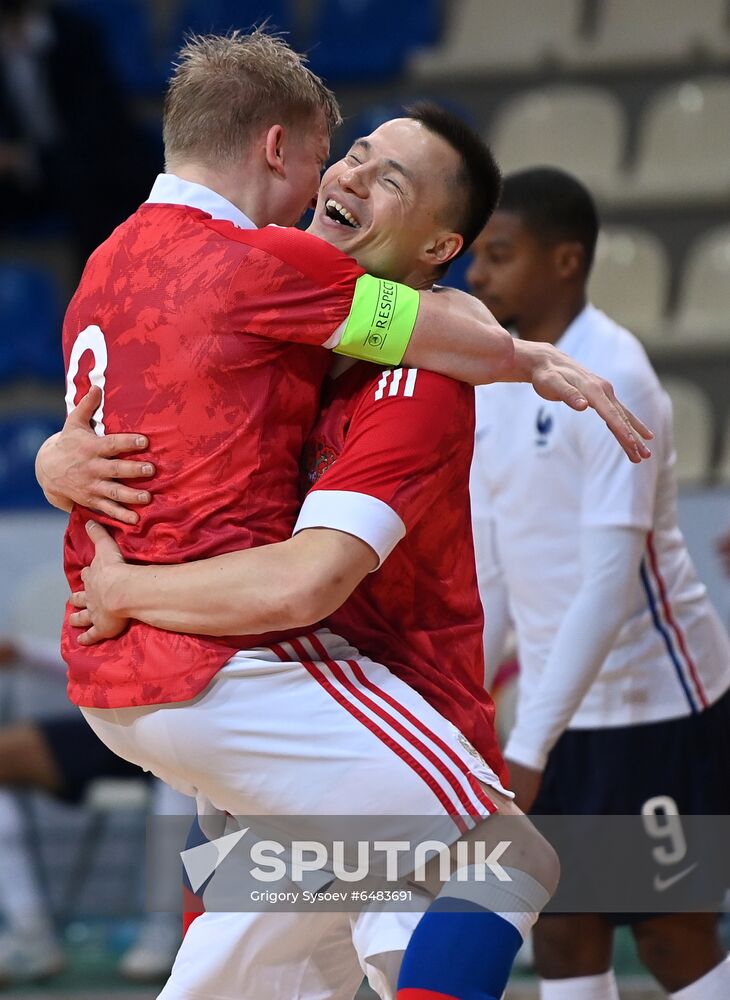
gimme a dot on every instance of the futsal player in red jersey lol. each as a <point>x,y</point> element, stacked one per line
<point>111,689</point>
<point>395,451</point>
<point>208,332</point>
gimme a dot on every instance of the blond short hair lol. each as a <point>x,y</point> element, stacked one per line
<point>226,88</point>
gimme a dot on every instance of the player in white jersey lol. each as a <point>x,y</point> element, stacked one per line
<point>624,705</point>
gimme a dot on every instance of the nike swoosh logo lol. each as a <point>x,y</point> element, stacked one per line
<point>662,884</point>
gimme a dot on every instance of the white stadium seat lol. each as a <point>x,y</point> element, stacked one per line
<point>704,300</point>
<point>490,35</point>
<point>581,129</point>
<point>684,145</point>
<point>630,280</point>
<point>637,32</point>
<point>692,429</point>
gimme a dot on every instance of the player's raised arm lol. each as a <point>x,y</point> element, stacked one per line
<point>458,336</point>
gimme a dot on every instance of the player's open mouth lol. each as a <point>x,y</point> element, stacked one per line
<point>338,213</point>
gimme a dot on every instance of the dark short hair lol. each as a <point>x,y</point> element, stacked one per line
<point>477,185</point>
<point>555,206</point>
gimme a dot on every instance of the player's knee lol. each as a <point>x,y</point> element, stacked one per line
<point>537,857</point>
<point>678,948</point>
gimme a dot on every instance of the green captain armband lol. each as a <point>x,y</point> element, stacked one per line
<point>381,321</point>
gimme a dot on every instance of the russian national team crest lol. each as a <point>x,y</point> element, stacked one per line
<point>317,458</point>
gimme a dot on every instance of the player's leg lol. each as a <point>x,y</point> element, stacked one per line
<point>684,952</point>
<point>380,938</point>
<point>467,941</point>
<point>573,957</point>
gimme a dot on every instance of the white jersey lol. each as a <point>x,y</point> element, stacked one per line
<point>543,472</point>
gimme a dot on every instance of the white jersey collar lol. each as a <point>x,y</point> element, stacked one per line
<point>575,332</point>
<point>169,189</point>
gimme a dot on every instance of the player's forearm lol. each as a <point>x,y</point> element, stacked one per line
<point>238,593</point>
<point>47,474</point>
<point>587,633</point>
<point>457,336</point>
<point>287,585</point>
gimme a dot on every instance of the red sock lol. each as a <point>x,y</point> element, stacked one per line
<point>415,994</point>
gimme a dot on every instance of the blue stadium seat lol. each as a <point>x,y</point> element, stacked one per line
<point>219,16</point>
<point>367,39</point>
<point>20,439</point>
<point>30,320</point>
<point>127,29</point>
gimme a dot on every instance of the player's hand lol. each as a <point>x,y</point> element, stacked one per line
<point>96,614</point>
<point>723,548</point>
<point>78,466</point>
<point>525,783</point>
<point>557,377</point>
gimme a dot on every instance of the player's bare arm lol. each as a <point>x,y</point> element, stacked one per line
<point>77,466</point>
<point>287,585</point>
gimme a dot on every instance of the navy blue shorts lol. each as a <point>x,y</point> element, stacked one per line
<point>631,770</point>
<point>80,755</point>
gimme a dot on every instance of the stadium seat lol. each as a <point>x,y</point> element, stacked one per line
<point>581,129</point>
<point>489,35</point>
<point>704,300</point>
<point>30,320</point>
<point>127,29</point>
<point>654,31</point>
<point>630,280</point>
<point>692,429</point>
<point>684,145</point>
<point>20,439</point>
<point>219,16</point>
<point>369,39</point>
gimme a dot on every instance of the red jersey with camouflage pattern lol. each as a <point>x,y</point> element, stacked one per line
<point>208,337</point>
<point>388,461</point>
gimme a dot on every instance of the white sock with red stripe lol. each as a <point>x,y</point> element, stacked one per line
<point>714,985</point>
<point>601,987</point>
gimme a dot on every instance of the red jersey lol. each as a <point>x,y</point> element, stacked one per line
<point>207,336</point>
<point>388,461</point>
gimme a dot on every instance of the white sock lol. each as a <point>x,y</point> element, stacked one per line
<point>714,985</point>
<point>601,987</point>
<point>23,904</point>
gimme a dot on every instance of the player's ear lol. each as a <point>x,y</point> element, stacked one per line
<point>444,248</point>
<point>569,260</point>
<point>274,148</point>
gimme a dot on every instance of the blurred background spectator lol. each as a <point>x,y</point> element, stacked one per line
<point>70,152</point>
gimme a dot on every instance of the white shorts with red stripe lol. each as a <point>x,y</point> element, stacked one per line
<point>309,727</point>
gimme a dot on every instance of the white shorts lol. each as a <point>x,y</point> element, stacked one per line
<point>290,956</point>
<point>309,727</point>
